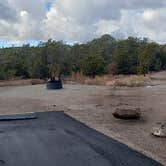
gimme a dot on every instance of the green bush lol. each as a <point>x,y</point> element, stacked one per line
<point>93,65</point>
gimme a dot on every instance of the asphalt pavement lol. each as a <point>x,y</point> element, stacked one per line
<point>55,139</point>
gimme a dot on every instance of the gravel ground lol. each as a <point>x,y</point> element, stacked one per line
<point>93,105</point>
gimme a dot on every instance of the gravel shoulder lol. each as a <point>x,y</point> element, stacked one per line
<point>93,105</point>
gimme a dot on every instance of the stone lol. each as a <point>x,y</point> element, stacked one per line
<point>159,130</point>
<point>99,105</point>
<point>126,112</point>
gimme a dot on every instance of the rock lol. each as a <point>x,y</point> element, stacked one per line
<point>127,113</point>
<point>159,130</point>
<point>99,105</point>
<point>124,104</point>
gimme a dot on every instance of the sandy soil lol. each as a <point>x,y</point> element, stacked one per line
<point>93,105</point>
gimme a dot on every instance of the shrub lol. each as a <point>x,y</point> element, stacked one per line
<point>93,65</point>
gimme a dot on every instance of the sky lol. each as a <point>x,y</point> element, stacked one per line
<point>80,21</point>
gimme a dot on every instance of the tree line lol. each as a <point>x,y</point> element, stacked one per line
<point>104,55</point>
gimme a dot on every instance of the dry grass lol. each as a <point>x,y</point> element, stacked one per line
<point>21,82</point>
<point>132,81</point>
<point>110,80</point>
<point>37,81</point>
<point>81,79</point>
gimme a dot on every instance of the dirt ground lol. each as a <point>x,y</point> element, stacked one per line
<point>93,105</point>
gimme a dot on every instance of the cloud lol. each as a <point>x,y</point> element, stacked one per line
<point>58,26</point>
<point>35,8</point>
<point>149,23</point>
<point>81,20</point>
<point>7,12</point>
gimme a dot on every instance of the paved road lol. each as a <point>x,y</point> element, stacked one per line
<point>55,139</point>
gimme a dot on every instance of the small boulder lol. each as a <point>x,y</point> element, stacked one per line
<point>127,113</point>
<point>159,130</point>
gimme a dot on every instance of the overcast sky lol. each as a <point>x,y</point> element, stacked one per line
<point>81,20</point>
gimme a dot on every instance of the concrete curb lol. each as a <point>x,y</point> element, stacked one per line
<point>24,116</point>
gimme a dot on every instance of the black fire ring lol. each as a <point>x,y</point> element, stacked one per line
<point>54,84</point>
